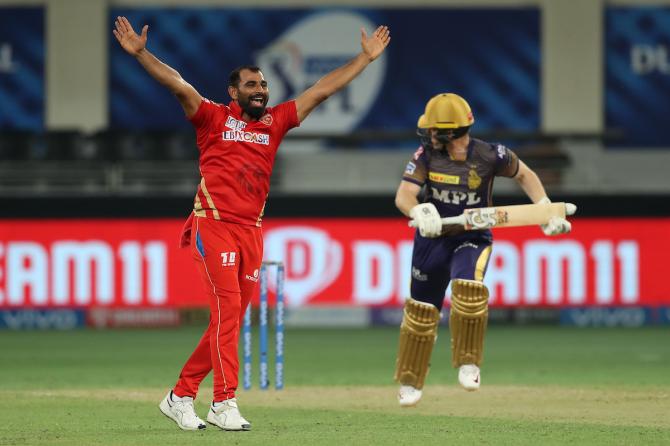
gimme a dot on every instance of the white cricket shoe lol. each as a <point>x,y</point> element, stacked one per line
<point>227,416</point>
<point>409,396</point>
<point>469,377</point>
<point>181,411</point>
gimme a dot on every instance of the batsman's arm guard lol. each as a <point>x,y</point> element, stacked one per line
<point>418,333</point>
<point>467,321</point>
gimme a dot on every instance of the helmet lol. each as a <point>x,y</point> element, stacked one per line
<point>447,111</point>
<point>422,130</point>
<point>450,114</point>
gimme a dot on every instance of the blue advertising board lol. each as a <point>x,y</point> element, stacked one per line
<point>489,56</point>
<point>22,68</point>
<point>637,74</point>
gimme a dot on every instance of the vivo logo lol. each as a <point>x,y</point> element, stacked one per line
<point>605,317</point>
<point>41,320</point>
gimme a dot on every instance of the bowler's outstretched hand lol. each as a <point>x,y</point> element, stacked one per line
<point>375,44</point>
<point>128,38</point>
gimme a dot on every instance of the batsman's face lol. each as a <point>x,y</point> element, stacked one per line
<point>252,93</point>
<point>438,139</point>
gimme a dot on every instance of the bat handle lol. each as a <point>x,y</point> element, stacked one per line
<point>457,220</point>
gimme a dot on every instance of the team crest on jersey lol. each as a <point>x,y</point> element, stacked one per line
<point>266,119</point>
<point>474,180</point>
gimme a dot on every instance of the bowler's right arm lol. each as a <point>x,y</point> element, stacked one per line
<point>135,45</point>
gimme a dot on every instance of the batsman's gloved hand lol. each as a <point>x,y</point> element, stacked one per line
<point>427,219</point>
<point>556,225</point>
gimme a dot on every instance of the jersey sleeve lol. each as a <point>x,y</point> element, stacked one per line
<point>507,163</point>
<point>286,114</point>
<point>416,170</point>
<point>203,118</point>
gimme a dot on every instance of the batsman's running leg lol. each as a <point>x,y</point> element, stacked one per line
<point>467,323</point>
<point>418,333</point>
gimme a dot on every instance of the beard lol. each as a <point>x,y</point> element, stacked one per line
<point>254,111</point>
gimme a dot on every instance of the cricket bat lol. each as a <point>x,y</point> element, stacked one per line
<point>505,216</point>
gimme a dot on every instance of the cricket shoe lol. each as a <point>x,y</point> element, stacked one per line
<point>469,377</point>
<point>181,411</point>
<point>227,416</point>
<point>409,396</point>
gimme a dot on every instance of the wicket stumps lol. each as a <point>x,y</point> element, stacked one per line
<point>263,331</point>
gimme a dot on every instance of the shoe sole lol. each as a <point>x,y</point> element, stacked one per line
<point>167,414</point>
<point>243,428</point>
<point>409,405</point>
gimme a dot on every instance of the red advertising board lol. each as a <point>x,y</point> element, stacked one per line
<point>137,263</point>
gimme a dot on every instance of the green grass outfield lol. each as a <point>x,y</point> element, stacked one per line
<point>540,385</point>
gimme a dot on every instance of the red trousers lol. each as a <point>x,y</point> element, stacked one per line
<point>228,257</point>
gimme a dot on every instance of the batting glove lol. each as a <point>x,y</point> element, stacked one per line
<point>427,219</point>
<point>556,225</point>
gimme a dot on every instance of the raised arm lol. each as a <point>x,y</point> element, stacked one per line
<point>371,47</point>
<point>135,45</point>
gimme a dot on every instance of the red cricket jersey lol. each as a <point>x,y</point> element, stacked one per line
<point>236,159</point>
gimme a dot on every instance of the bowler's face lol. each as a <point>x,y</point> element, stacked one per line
<point>252,93</point>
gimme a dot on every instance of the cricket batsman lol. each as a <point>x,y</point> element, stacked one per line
<point>237,143</point>
<point>450,172</point>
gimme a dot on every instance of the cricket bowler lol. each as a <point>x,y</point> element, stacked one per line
<point>237,143</point>
<point>450,172</point>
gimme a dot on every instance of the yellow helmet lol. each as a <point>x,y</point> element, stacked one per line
<point>423,122</point>
<point>422,131</point>
<point>446,111</point>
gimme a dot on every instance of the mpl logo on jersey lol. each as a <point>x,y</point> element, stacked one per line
<point>310,49</point>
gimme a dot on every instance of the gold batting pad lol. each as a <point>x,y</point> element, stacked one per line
<point>418,333</point>
<point>467,321</point>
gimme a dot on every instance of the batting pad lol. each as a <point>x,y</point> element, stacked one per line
<point>467,321</point>
<point>418,333</point>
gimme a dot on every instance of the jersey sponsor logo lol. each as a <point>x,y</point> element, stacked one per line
<point>502,150</point>
<point>237,133</point>
<point>418,275</point>
<point>455,197</point>
<point>410,168</point>
<point>253,278</point>
<point>235,124</point>
<point>466,245</point>
<point>474,180</point>
<point>443,178</point>
<point>228,258</point>
<point>253,137</point>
